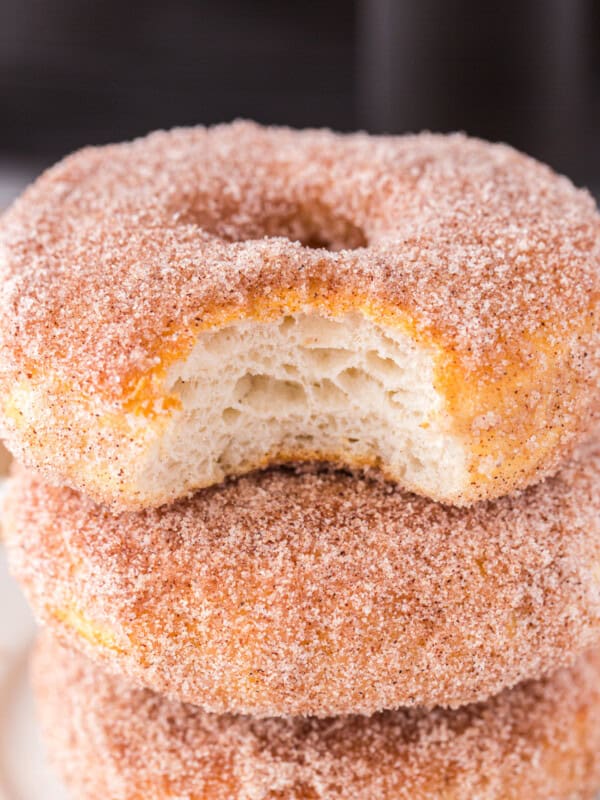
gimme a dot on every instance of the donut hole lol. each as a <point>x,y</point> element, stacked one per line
<point>315,227</point>
<point>345,238</point>
<point>316,232</point>
<point>341,389</point>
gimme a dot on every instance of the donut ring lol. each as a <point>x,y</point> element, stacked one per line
<point>317,593</point>
<point>105,739</point>
<point>204,302</point>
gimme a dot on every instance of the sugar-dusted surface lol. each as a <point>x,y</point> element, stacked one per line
<point>539,741</point>
<point>318,593</point>
<point>116,245</point>
<point>115,258</point>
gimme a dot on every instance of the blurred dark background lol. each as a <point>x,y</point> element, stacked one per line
<point>74,72</point>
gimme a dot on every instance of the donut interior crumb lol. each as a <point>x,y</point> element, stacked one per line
<point>301,386</point>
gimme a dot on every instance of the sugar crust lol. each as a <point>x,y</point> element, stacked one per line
<point>106,739</point>
<point>314,592</point>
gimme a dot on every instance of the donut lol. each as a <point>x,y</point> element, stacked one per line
<point>106,739</point>
<point>202,302</point>
<point>315,592</point>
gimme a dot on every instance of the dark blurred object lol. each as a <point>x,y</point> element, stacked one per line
<point>523,71</point>
<point>89,71</point>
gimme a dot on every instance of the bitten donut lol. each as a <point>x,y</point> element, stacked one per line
<point>539,741</point>
<point>203,302</point>
<point>317,593</point>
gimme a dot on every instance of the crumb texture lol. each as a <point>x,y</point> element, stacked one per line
<point>539,741</point>
<point>305,386</point>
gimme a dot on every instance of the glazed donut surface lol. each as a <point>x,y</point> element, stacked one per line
<point>203,302</point>
<point>317,593</point>
<point>108,740</point>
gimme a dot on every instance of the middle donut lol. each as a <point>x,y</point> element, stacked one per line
<point>321,593</point>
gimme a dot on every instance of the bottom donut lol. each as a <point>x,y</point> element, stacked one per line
<point>538,741</point>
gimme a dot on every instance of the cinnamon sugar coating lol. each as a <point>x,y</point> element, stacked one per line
<point>115,259</point>
<point>317,593</point>
<point>538,741</point>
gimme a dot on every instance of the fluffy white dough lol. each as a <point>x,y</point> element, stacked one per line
<point>347,389</point>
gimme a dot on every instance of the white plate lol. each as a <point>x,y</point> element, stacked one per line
<point>23,774</point>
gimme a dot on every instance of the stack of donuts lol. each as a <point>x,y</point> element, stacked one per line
<point>309,504</point>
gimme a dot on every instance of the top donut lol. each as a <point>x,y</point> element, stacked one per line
<point>202,302</point>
